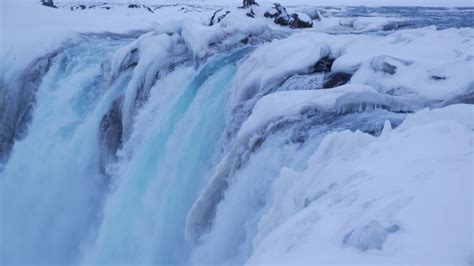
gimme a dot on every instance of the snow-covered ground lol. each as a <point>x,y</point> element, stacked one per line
<point>387,200</point>
<point>429,3</point>
<point>198,133</point>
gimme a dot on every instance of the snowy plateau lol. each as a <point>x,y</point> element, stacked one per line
<point>214,132</point>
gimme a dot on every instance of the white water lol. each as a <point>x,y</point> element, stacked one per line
<point>59,208</point>
<point>51,187</point>
<point>156,188</point>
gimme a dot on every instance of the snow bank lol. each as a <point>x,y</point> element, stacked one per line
<point>339,100</point>
<point>355,24</point>
<point>402,198</point>
<point>30,30</point>
<point>405,63</point>
<point>271,63</point>
<point>428,3</point>
<point>434,3</point>
<point>234,28</point>
<point>419,66</point>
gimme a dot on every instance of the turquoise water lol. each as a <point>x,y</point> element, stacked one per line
<point>144,217</point>
<point>51,189</point>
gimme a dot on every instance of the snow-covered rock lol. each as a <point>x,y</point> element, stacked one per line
<point>283,18</point>
<point>343,99</point>
<point>378,200</point>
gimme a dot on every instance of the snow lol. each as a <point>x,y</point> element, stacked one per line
<point>417,61</point>
<point>391,199</point>
<point>288,103</point>
<point>270,63</point>
<point>437,3</point>
<point>431,3</point>
<point>403,63</point>
<point>232,29</point>
<point>29,30</point>
<point>354,24</point>
<point>212,116</point>
<point>153,52</point>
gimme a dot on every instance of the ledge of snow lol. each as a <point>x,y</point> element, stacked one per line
<point>288,103</point>
<point>378,200</point>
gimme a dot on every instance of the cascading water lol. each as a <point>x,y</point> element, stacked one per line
<point>286,143</point>
<point>52,190</point>
<point>74,209</point>
<point>144,218</point>
<point>134,209</point>
<point>128,151</point>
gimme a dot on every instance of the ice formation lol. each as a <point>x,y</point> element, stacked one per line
<point>211,134</point>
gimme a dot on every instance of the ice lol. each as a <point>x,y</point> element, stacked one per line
<point>347,98</point>
<point>154,54</point>
<point>264,70</point>
<point>395,192</point>
<point>200,133</point>
<point>371,236</point>
<point>196,112</point>
<point>386,63</point>
<point>202,39</point>
<point>17,104</point>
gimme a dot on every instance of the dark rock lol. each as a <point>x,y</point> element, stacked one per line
<point>110,134</point>
<point>277,11</point>
<point>324,65</point>
<point>395,26</point>
<point>17,101</point>
<point>140,6</point>
<point>438,78</point>
<point>248,3</point>
<point>211,22</point>
<point>296,22</point>
<point>283,20</point>
<point>48,3</point>
<point>281,17</point>
<point>336,79</point>
<point>251,14</point>
<point>272,13</point>
<point>81,7</point>
<point>219,19</point>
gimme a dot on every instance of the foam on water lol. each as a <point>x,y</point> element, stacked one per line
<point>51,190</point>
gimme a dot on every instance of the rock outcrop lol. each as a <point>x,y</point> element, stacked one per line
<point>283,18</point>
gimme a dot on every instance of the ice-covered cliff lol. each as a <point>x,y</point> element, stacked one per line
<point>214,135</point>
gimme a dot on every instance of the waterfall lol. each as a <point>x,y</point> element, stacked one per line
<point>72,211</point>
<point>94,194</point>
<point>144,217</point>
<point>52,191</point>
<point>124,150</point>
